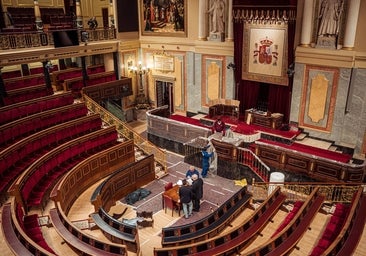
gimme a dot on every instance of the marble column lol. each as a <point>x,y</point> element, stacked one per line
<point>202,20</point>
<point>230,31</point>
<point>351,24</point>
<point>37,15</point>
<point>307,22</point>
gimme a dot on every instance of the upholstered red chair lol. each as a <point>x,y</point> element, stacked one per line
<point>168,186</point>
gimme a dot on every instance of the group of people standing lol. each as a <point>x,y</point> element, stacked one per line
<point>191,192</point>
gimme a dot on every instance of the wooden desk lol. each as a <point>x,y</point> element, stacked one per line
<point>173,193</point>
<point>170,199</point>
<point>261,118</point>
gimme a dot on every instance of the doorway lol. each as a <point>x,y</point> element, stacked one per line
<point>164,94</point>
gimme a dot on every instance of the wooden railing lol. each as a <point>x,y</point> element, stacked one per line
<point>45,39</point>
<point>123,128</point>
<point>334,192</point>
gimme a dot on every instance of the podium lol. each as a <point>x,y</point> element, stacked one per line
<point>265,119</point>
<point>224,107</point>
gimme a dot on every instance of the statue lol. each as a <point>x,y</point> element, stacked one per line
<point>217,12</point>
<point>330,14</point>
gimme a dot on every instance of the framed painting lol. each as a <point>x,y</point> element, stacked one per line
<point>265,53</point>
<point>163,18</point>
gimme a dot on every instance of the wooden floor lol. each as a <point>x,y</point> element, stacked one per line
<point>149,237</point>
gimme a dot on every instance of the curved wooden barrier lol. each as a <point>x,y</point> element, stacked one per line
<point>32,186</point>
<point>233,241</point>
<point>32,247</point>
<point>11,236</point>
<point>120,157</point>
<point>287,239</point>
<point>124,181</point>
<point>209,226</point>
<point>349,236</point>
<point>84,243</point>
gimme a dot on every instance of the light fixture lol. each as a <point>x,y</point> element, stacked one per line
<point>142,101</point>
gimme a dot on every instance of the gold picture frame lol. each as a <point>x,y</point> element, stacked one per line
<point>167,18</point>
<point>265,53</point>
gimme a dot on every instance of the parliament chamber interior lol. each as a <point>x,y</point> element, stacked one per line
<point>104,105</point>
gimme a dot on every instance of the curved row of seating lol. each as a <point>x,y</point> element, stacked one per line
<point>59,76</point>
<point>16,237</point>
<point>30,225</point>
<point>14,131</point>
<point>78,180</point>
<point>15,158</point>
<point>117,231</point>
<point>209,226</point>
<point>27,93</point>
<point>15,111</point>
<point>83,242</point>
<point>345,223</point>
<point>284,241</point>
<point>237,238</point>
<point>81,177</point>
<point>23,81</point>
<point>36,181</point>
<point>133,176</point>
<point>77,83</point>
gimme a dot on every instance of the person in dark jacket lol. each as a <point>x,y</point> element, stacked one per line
<point>185,198</point>
<point>197,189</point>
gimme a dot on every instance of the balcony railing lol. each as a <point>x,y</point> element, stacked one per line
<point>33,39</point>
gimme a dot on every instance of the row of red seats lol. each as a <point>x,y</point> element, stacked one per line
<point>23,82</point>
<point>78,85</point>
<point>40,70</point>
<point>20,95</point>
<point>30,225</point>
<point>15,159</point>
<point>289,217</point>
<point>95,69</point>
<point>41,178</point>
<point>25,126</point>
<point>11,74</point>
<point>101,80</point>
<point>22,109</point>
<point>332,229</point>
<point>67,75</point>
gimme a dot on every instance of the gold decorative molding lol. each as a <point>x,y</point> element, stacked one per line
<point>39,55</point>
<point>318,100</point>
<point>325,57</point>
<point>318,97</point>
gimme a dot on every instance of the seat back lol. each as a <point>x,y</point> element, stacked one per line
<point>168,186</point>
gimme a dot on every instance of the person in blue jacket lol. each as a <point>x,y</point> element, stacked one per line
<point>205,161</point>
